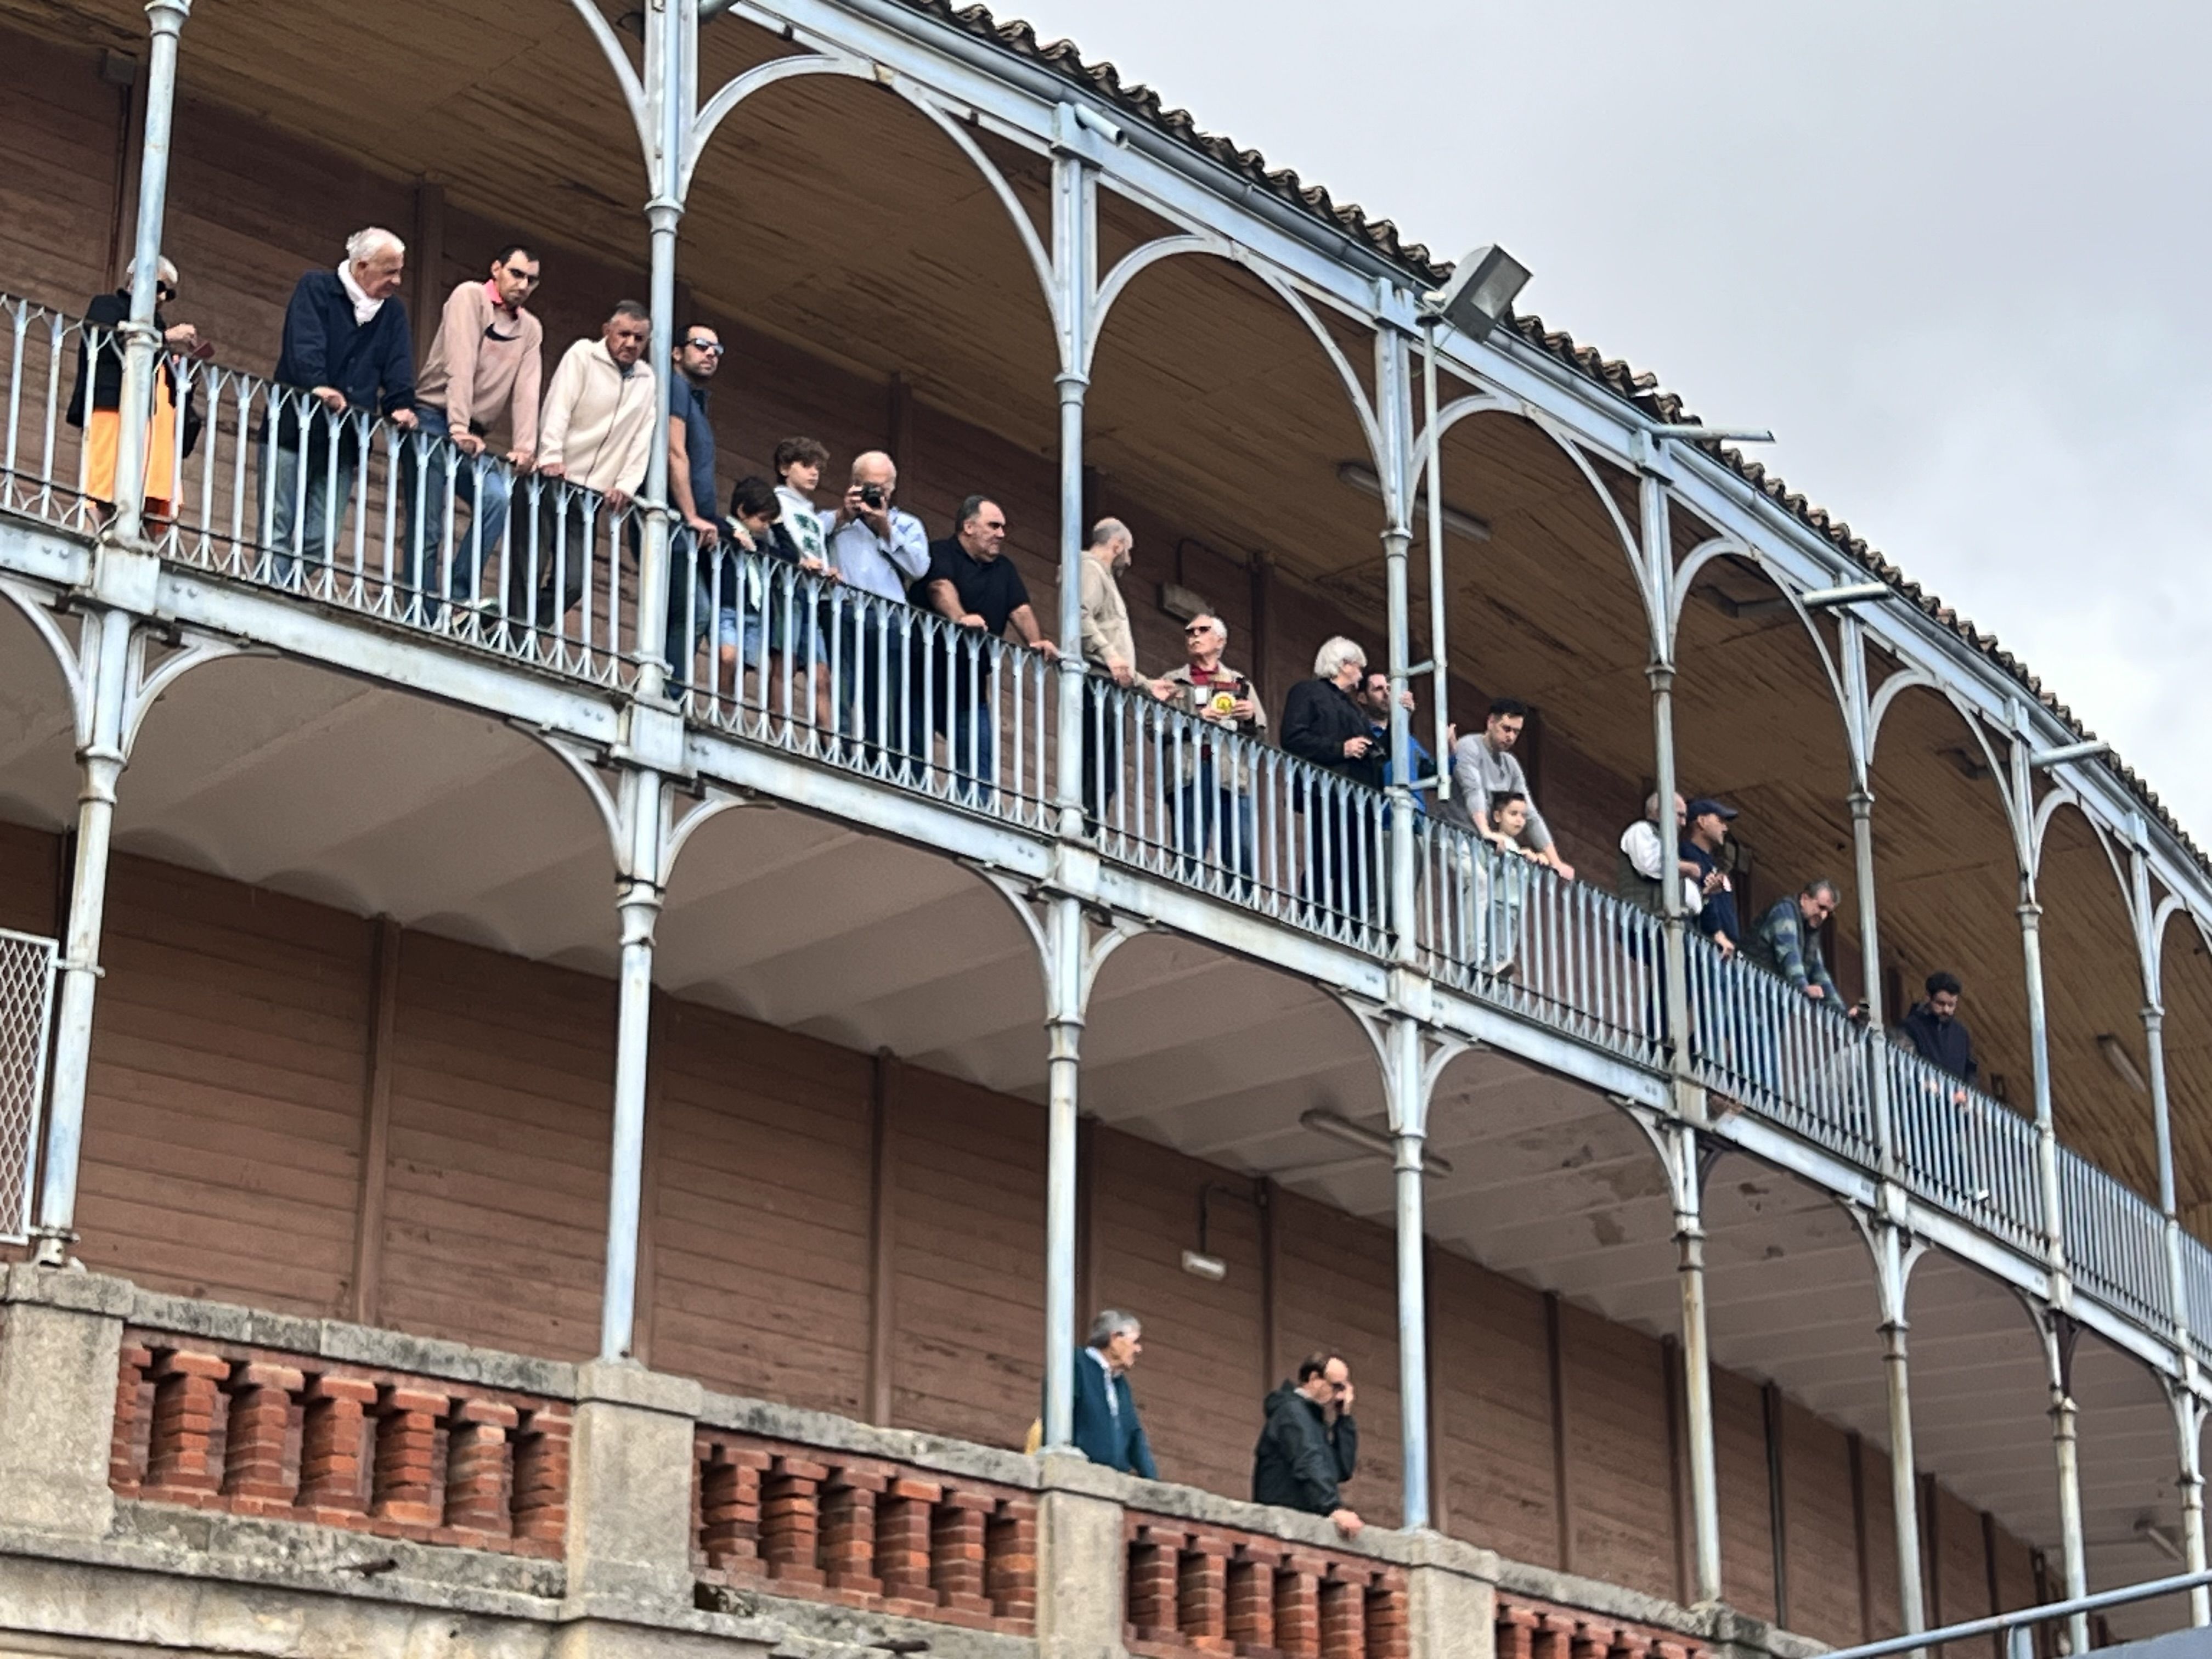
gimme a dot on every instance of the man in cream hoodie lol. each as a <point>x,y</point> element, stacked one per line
<point>596,430</point>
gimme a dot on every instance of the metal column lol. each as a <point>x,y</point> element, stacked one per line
<point>105,667</point>
<point>643,806</point>
<point>1395,418</point>
<point>1405,1077</point>
<point>2059,1333</point>
<point>1065,967</point>
<point>1658,576</point>
<point>1859,720</point>
<point>1892,1262</point>
<point>671,38</point>
<point>142,342</point>
<point>1074,260</point>
<point>1686,1174</point>
<point>2189,1448</point>
<point>1440,666</point>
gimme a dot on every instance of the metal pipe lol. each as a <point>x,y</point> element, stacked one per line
<point>2192,1581</point>
<point>1393,399</point>
<point>2046,1133</point>
<point>1656,539</point>
<point>1064,999</point>
<point>1440,672</point>
<point>1074,264</point>
<point>639,906</point>
<point>1903,1486</point>
<point>142,340</point>
<point>1697,1361</point>
<point>2072,751</point>
<point>1406,1077</point>
<point>100,757</point>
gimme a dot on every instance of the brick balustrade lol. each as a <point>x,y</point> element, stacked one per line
<point>866,1532</point>
<point>221,1426</point>
<point>1193,1587</point>
<point>1530,1629</point>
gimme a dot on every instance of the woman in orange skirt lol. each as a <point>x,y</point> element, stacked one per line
<point>95,403</point>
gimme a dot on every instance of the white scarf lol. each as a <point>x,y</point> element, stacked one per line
<point>364,308</point>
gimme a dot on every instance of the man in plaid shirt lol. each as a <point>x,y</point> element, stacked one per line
<point>1786,941</point>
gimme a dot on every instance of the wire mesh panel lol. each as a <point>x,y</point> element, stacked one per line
<point>27,998</point>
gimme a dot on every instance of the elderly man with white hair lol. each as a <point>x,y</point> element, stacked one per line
<point>347,356</point>
<point>1324,723</point>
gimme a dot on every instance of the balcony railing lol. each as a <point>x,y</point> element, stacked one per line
<point>351,511</point>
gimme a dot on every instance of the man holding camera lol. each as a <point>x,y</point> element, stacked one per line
<point>878,548</point>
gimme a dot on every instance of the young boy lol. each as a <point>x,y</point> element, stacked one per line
<point>798,462</point>
<point>1509,817</point>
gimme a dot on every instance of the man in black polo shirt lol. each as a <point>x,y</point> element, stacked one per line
<point>973,585</point>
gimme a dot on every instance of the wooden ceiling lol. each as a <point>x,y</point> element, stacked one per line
<point>830,214</point>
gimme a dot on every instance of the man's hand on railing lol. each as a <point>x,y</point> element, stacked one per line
<point>618,500</point>
<point>403,419</point>
<point>1050,652</point>
<point>182,337</point>
<point>705,529</point>
<point>519,459</point>
<point>469,444</point>
<point>1356,748</point>
<point>330,398</point>
<point>1347,1523</point>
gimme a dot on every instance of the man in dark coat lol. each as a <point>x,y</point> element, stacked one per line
<point>1107,1430</point>
<point>1310,1445</point>
<point>1938,1034</point>
<point>1324,723</point>
<point>347,356</point>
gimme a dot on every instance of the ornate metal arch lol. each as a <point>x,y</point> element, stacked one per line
<point>40,615</point>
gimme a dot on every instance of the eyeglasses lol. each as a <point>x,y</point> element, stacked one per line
<point>1200,628</point>
<point>163,291</point>
<point>712,348</point>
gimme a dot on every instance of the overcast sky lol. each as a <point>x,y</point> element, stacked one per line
<point>1951,251</point>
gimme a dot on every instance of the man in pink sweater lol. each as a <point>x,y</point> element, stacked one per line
<point>482,374</point>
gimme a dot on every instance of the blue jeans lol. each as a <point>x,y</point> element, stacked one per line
<point>301,525</point>
<point>474,545</point>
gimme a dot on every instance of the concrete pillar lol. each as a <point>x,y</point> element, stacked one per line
<point>1082,1562</point>
<point>61,1339</point>
<point>1451,1599</point>
<point>630,1492</point>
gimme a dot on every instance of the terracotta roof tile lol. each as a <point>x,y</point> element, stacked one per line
<point>1638,388</point>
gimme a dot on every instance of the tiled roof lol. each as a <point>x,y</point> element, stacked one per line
<point>1641,389</point>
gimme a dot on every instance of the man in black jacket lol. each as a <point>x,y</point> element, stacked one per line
<point>1937,1032</point>
<point>1324,724</point>
<point>1311,1445</point>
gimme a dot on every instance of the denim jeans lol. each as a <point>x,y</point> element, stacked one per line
<point>1216,815</point>
<point>301,525</point>
<point>475,543</point>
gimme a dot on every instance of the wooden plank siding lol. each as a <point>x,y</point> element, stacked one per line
<point>1618,1468</point>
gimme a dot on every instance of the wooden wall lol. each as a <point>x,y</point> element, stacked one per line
<point>300,1109</point>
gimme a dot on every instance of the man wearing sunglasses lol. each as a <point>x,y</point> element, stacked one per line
<point>691,491</point>
<point>1311,1444</point>
<point>484,368</point>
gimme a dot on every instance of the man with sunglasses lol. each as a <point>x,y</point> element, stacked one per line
<point>485,367</point>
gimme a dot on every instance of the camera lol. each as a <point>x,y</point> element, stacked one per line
<point>871,495</point>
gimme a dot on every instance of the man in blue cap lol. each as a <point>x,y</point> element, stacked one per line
<point>1703,837</point>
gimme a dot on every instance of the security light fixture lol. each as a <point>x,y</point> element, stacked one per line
<point>1204,1266</point>
<point>1480,293</point>
<point>1472,526</point>
<point>1338,1126</point>
<point>1691,432</point>
<point>1828,598</point>
<point>2072,751</point>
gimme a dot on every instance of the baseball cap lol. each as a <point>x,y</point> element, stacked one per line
<point>1705,804</point>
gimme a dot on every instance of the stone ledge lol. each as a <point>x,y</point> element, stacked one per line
<point>815,1630</point>
<point>74,1292</point>
<point>1568,1590</point>
<point>811,1428</point>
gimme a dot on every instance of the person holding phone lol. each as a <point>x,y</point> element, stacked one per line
<point>1310,1445</point>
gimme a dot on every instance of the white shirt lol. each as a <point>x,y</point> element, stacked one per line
<point>1113,1394</point>
<point>1645,851</point>
<point>810,533</point>
<point>364,308</point>
<point>883,568</point>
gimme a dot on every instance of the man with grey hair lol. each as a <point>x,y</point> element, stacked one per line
<point>1107,1430</point>
<point>1109,650</point>
<point>347,356</point>
<point>878,548</point>
<point>1786,942</point>
<point>1216,803</point>
<point>1324,724</point>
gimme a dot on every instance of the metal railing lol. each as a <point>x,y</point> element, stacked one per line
<point>261,482</point>
<point>1965,1151</point>
<point>1513,932</point>
<point>26,1007</point>
<point>1760,1041</point>
<point>275,491</point>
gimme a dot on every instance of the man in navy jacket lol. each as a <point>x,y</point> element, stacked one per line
<point>1107,1429</point>
<point>347,356</point>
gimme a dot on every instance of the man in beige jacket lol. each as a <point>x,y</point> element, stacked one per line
<point>595,431</point>
<point>1110,652</point>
